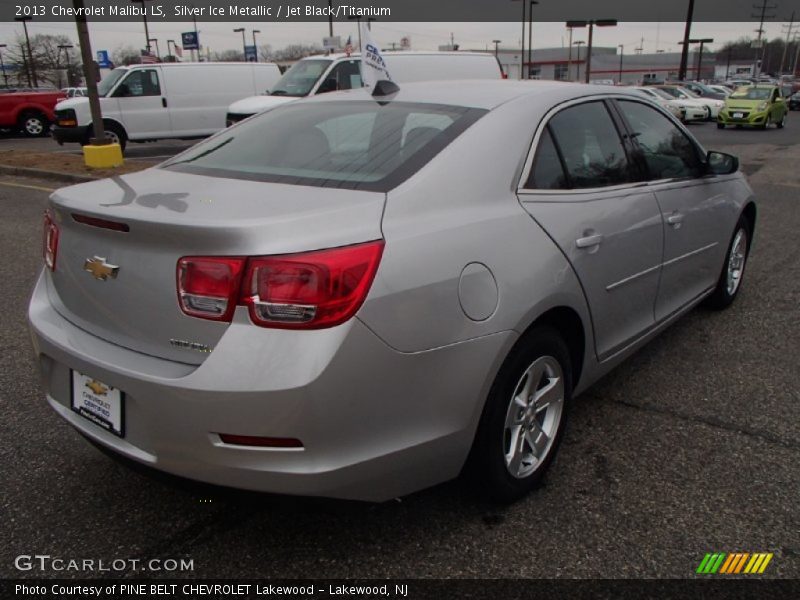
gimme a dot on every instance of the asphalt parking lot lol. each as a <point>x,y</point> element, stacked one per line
<point>692,446</point>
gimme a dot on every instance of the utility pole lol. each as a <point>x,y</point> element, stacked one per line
<point>90,75</point>
<point>31,63</point>
<point>764,6</point>
<point>786,45</point>
<point>578,44</point>
<point>569,56</point>
<point>3,65</point>
<point>144,18</point>
<point>330,18</point>
<point>530,36</point>
<point>687,33</point>
<point>621,55</point>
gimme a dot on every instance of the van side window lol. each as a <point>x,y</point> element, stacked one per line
<point>590,146</point>
<point>344,76</point>
<point>141,82</point>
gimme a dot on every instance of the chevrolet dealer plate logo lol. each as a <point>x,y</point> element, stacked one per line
<point>100,269</point>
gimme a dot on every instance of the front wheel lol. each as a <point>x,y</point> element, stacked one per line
<point>524,417</point>
<point>33,124</point>
<point>730,280</point>
<point>782,123</point>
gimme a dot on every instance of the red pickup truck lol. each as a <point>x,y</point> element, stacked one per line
<point>30,112</point>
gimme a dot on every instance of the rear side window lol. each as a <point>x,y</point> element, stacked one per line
<point>590,146</point>
<point>667,151</point>
<point>352,145</point>
<point>547,172</point>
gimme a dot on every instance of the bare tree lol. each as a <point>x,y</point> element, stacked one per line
<point>55,66</point>
<point>124,55</point>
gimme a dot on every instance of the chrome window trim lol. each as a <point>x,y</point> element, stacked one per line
<point>528,164</point>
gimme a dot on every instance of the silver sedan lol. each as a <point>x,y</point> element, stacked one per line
<point>358,297</point>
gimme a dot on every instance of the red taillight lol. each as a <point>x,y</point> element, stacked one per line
<point>209,287</point>
<point>312,290</point>
<point>50,241</point>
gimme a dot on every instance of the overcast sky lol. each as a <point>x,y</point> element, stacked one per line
<point>424,36</point>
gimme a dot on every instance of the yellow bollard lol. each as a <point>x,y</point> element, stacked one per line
<point>102,157</point>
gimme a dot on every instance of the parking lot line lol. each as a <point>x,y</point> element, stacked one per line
<point>41,188</point>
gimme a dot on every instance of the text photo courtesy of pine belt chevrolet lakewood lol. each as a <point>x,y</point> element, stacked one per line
<point>361,295</point>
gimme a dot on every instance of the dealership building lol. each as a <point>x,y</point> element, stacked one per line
<point>608,64</point>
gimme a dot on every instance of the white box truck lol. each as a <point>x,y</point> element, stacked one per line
<point>157,101</point>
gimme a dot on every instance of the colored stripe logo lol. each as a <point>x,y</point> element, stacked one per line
<point>734,563</point>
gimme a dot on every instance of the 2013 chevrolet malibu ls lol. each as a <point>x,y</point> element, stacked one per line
<point>358,297</point>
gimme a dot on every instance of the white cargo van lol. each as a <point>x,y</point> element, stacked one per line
<point>171,100</point>
<point>335,72</point>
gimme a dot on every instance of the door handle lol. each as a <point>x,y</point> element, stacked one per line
<point>675,219</point>
<point>589,241</point>
<point>164,102</point>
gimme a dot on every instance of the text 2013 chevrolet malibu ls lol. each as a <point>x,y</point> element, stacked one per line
<point>359,297</point>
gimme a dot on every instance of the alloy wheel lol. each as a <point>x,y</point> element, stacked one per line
<point>736,261</point>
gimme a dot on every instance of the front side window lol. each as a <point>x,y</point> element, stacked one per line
<point>109,81</point>
<point>354,145</point>
<point>590,146</point>
<point>301,78</point>
<point>142,82</point>
<point>667,151</point>
<point>344,76</point>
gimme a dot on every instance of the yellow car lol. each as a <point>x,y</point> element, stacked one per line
<point>756,106</point>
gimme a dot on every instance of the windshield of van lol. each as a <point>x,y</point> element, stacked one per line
<point>300,79</point>
<point>361,145</point>
<point>751,93</point>
<point>109,81</point>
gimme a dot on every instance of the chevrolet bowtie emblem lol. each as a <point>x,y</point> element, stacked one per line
<point>100,269</point>
<point>97,387</point>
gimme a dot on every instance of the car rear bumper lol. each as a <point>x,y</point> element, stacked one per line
<point>71,135</point>
<point>375,423</point>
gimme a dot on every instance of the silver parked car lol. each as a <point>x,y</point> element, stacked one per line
<point>358,297</point>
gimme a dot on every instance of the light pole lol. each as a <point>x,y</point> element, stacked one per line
<point>255,31</point>
<point>621,55</point>
<point>702,42</point>
<point>579,43</point>
<point>32,67</point>
<point>144,18</point>
<point>66,48</point>
<point>569,57</point>
<point>591,24</point>
<point>530,36</point>
<point>244,42</point>
<point>496,47</point>
<point>2,64</point>
<point>522,42</point>
<point>158,50</point>
<point>170,51</point>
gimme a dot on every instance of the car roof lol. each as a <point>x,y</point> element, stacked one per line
<point>480,93</point>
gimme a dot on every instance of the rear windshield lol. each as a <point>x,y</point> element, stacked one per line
<point>353,145</point>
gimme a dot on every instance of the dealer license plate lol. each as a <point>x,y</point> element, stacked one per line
<point>98,402</point>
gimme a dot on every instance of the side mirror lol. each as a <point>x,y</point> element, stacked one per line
<point>720,163</point>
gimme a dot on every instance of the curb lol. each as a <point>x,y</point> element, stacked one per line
<point>43,174</point>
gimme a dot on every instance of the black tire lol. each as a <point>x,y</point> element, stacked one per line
<point>782,123</point>
<point>722,297</point>
<point>487,467</point>
<point>33,124</point>
<point>113,131</point>
<point>720,125</point>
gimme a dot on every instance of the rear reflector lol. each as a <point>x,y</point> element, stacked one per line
<point>101,223</point>
<point>208,287</point>
<point>50,241</point>
<point>260,442</point>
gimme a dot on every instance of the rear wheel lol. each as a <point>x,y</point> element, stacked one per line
<point>730,280</point>
<point>33,124</point>
<point>524,417</point>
